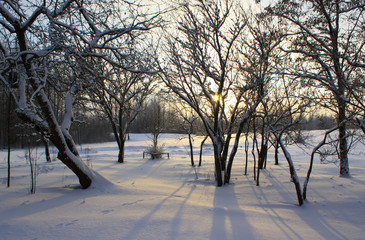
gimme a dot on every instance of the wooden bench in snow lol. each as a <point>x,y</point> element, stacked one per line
<point>156,155</point>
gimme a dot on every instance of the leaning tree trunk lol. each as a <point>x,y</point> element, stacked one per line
<point>66,148</point>
<point>66,155</point>
<point>293,173</point>
<point>201,150</point>
<point>56,136</point>
<point>76,165</point>
<point>45,122</point>
<point>315,150</point>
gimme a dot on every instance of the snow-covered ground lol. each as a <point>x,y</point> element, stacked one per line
<point>168,199</point>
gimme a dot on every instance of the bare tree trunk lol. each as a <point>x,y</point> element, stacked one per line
<point>344,162</point>
<point>227,176</point>
<point>70,143</point>
<point>201,150</point>
<point>117,139</point>
<point>117,132</point>
<point>323,142</point>
<point>246,152</point>
<point>9,139</point>
<point>121,147</point>
<point>121,152</point>
<point>191,150</point>
<point>9,165</point>
<point>261,160</point>
<point>260,154</point>
<point>121,136</point>
<point>47,152</point>
<point>342,137</point>
<point>65,147</point>
<point>225,152</point>
<point>65,154</point>
<point>254,141</point>
<point>263,147</point>
<point>46,149</point>
<point>218,164</point>
<point>265,156</point>
<point>293,174</point>
<point>277,152</point>
<point>32,170</point>
<point>247,145</point>
<point>68,159</point>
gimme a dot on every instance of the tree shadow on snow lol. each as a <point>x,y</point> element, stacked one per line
<point>229,220</point>
<point>308,213</point>
<point>148,220</point>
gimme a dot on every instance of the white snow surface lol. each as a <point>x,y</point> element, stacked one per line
<point>163,199</point>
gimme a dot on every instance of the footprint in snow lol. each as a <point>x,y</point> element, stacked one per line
<point>72,222</point>
<point>131,203</point>
<point>67,224</point>
<point>107,211</point>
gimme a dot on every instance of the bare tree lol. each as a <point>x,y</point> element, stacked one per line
<point>33,33</point>
<point>327,51</point>
<point>121,95</point>
<point>201,69</point>
<point>156,124</point>
<point>315,150</point>
<point>287,111</point>
<point>189,118</point>
<point>259,56</point>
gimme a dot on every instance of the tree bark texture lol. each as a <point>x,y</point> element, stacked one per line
<point>342,137</point>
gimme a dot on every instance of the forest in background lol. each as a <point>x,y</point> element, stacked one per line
<point>92,128</point>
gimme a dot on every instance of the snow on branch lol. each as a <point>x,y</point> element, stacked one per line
<point>69,102</point>
<point>61,9</point>
<point>32,18</point>
<point>7,15</point>
<point>7,26</point>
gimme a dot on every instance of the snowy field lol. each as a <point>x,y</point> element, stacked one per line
<point>168,199</point>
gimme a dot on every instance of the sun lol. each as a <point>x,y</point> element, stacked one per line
<point>216,97</point>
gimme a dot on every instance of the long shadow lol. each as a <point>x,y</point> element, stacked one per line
<point>144,222</point>
<point>176,222</point>
<point>66,195</point>
<point>272,209</point>
<point>308,213</point>
<point>320,224</point>
<point>324,210</point>
<point>229,220</point>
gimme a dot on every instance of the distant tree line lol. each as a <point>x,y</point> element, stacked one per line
<point>88,128</point>
<point>96,128</point>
